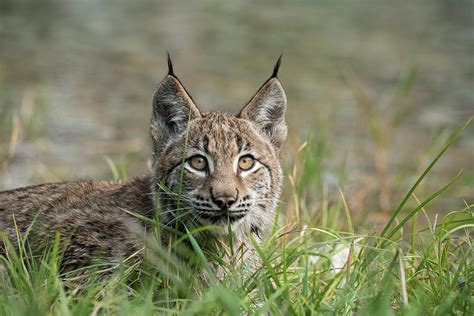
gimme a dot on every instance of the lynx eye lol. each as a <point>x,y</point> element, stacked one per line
<point>246,162</point>
<point>198,162</point>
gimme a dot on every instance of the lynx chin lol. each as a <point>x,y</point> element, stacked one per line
<point>210,168</point>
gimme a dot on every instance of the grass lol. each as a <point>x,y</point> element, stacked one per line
<point>17,125</point>
<point>310,266</point>
<point>317,260</point>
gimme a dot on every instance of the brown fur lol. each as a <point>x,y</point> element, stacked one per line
<point>90,216</point>
<point>93,218</point>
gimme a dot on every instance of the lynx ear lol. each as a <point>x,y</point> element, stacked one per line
<point>267,110</point>
<point>173,108</point>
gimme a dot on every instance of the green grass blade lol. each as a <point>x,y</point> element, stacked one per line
<point>423,175</point>
<point>423,204</point>
<point>113,168</point>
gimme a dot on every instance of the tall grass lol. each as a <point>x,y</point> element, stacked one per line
<point>312,263</point>
<point>309,266</point>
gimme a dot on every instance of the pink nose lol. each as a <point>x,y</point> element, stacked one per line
<point>224,202</point>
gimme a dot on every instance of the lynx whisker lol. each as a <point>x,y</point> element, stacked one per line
<point>176,210</point>
<point>180,216</point>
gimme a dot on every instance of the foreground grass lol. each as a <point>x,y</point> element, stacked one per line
<point>308,267</point>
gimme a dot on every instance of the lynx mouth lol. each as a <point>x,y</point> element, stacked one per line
<point>221,216</point>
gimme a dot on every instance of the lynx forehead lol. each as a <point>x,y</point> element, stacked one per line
<point>218,168</point>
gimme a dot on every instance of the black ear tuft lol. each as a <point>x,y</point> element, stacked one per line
<point>277,67</point>
<point>170,66</point>
<point>267,110</point>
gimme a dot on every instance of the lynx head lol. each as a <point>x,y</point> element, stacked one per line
<point>217,168</point>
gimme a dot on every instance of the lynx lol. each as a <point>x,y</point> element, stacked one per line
<point>211,168</point>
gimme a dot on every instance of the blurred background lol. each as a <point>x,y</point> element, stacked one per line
<point>374,88</point>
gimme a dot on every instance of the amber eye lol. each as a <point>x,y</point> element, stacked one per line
<point>246,162</point>
<point>198,162</point>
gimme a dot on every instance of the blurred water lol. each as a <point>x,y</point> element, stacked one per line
<point>96,64</point>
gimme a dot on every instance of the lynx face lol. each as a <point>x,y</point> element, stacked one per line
<point>218,168</point>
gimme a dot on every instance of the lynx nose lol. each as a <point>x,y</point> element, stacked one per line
<point>224,202</point>
<point>224,198</point>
